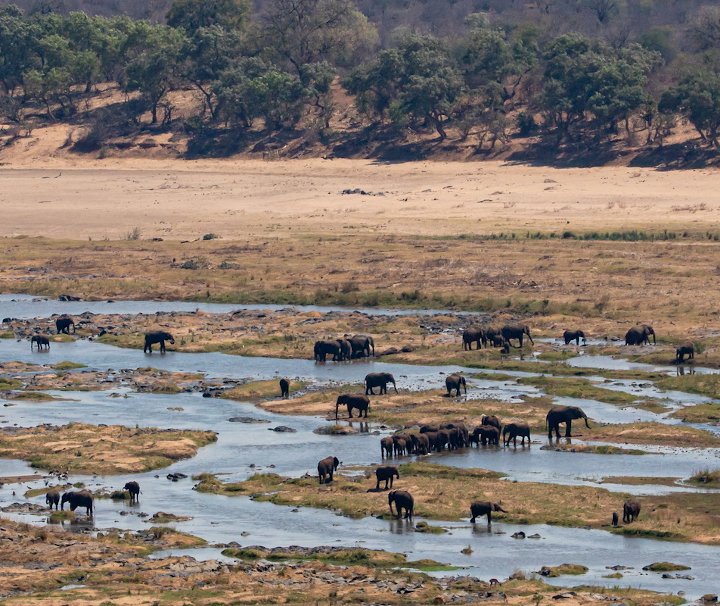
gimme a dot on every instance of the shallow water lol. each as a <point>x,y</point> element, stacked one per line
<point>245,449</point>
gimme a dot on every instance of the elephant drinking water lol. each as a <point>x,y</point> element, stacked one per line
<point>484,508</point>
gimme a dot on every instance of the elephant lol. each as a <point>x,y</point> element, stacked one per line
<point>345,349</point>
<point>159,336</point>
<point>615,519</point>
<point>284,388</point>
<point>429,429</point>
<point>688,349</point>
<point>455,440</point>
<point>359,401</point>
<point>386,474</point>
<point>484,434</point>
<point>491,420</point>
<point>362,346</point>
<point>78,499</point>
<point>473,335</point>
<point>511,431</point>
<point>134,489</point>
<point>386,447</point>
<point>516,331</point>
<point>400,445</point>
<point>454,382</point>
<point>63,324</point>
<point>442,440</point>
<point>421,443</point>
<point>326,468</point>
<point>402,500</point>
<point>41,341</point>
<point>574,335</point>
<point>323,348</point>
<point>52,499</point>
<point>492,335</point>
<point>563,414</point>
<point>463,434</point>
<point>378,379</point>
<point>631,511</point>
<point>432,438</point>
<point>638,335</point>
<point>484,508</point>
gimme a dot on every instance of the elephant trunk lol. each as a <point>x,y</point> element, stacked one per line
<point>586,422</point>
<point>654,341</point>
<point>464,385</point>
<point>527,332</point>
<point>395,387</point>
<point>337,407</point>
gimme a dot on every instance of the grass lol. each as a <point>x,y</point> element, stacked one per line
<point>703,384</point>
<point>707,478</point>
<point>82,448</point>
<point>258,390</point>
<point>665,567</point>
<point>640,481</point>
<point>563,570</point>
<point>699,413</point>
<point>444,493</point>
<point>577,388</point>
<point>67,365</point>
<point>594,449</point>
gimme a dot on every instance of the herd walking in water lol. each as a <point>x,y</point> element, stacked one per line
<point>418,441</point>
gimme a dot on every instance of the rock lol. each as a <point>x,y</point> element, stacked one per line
<point>568,595</point>
<point>335,430</point>
<point>709,598</point>
<point>518,535</point>
<point>176,476</point>
<point>534,536</point>
<point>68,298</point>
<point>282,429</point>
<point>248,420</point>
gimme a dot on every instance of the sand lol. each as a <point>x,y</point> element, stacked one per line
<point>73,197</point>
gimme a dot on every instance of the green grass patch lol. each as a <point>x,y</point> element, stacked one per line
<point>665,567</point>
<point>708,413</point>
<point>67,365</point>
<point>563,570</point>
<point>577,388</point>
<point>706,385</point>
<point>7,334</point>
<point>706,477</point>
<point>33,396</point>
<point>10,384</point>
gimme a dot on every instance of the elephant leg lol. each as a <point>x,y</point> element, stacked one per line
<point>489,518</point>
<point>472,520</point>
<point>568,428</point>
<point>377,486</point>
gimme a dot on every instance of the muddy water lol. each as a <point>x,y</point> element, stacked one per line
<point>245,449</point>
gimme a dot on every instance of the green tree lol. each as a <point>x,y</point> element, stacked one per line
<point>153,69</point>
<point>16,55</point>
<point>417,80</point>
<point>194,15</point>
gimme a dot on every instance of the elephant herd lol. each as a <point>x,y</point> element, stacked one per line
<point>84,498</point>
<point>346,348</point>
<point>487,336</point>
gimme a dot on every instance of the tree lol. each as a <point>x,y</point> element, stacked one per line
<point>154,66</point>
<point>416,80</point>
<point>16,55</point>
<point>697,96</point>
<point>310,31</point>
<point>194,15</point>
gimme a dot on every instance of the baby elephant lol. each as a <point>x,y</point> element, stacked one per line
<point>482,508</point>
<point>284,388</point>
<point>403,500</point>
<point>688,349</point>
<point>631,511</point>
<point>52,499</point>
<point>134,489</point>
<point>386,474</point>
<point>326,468</point>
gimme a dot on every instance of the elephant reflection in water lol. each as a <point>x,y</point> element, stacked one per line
<point>684,370</point>
<point>363,426</point>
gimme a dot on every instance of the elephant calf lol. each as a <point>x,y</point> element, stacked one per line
<point>482,508</point>
<point>574,335</point>
<point>41,341</point>
<point>326,468</point>
<point>631,511</point>
<point>52,499</point>
<point>454,383</point>
<point>386,474</point>
<point>403,500</point>
<point>484,434</point>
<point>284,388</point>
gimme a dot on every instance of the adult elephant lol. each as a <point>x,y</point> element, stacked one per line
<point>516,429</point>
<point>631,511</point>
<point>158,336</point>
<point>574,335</point>
<point>563,414</point>
<point>386,447</point>
<point>400,444</point>
<point>516,331</point>
<point>479,509</point>
<point>345,349</point>
<point>78,499</point>
<point>639,335</point>
<point>688,349</point>
<point>463,433</point>
<point>486,434</point>
<point>358,400</point>
<point>420,443</point>
<point>379,379</point>
<point>454,383</point>
<point>284,388</point>
<point>52,499</point>
<point>63,324</point>
<point>402,500</point>
<point>492,335</point>
<point>491,420</point>
<point>324,348</point>
<point>386,474</point>
<point>326,468</point>
<point>134,489</point>
<point>41,341</point>
<point>362,346</point>
<point>473,335</point>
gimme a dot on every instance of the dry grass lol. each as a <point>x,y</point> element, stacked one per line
<point>80,448</point>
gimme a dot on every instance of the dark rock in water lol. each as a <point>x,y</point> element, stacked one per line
<point>68,298</point>
<point>619,567</point>
<point>518,535</point>
<point>248,420</point>
<point>534,536</point>
<point>545,571</point>
<point>282,429</point>
<point>709,598</point>
<point>176,476</point>
<point>335,430</point>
